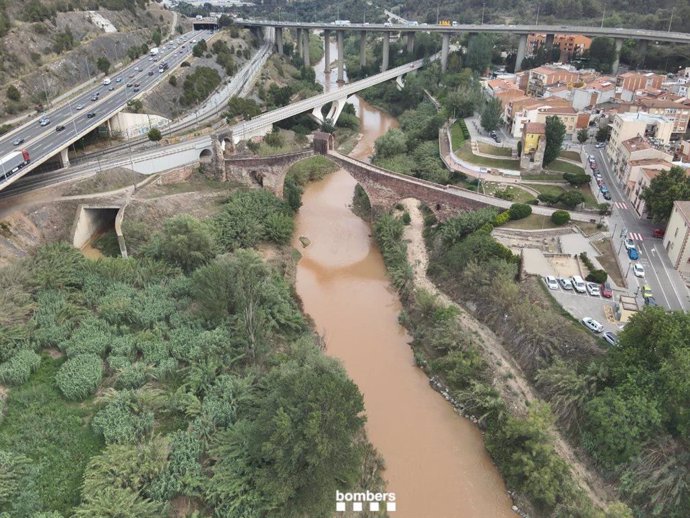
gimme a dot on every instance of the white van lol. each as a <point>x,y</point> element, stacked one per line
<point>106,81</point>
<point>579,284</point>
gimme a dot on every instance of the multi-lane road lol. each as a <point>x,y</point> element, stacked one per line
<point>667,285</point>
<point>43,142</point>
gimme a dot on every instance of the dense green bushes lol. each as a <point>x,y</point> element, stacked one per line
<point>388,232</point>
<point>198,85</point>
<point>560,217</point>
<point>18,369</point>
<point>519,211</point>
<point>79,377</point>
<point>308,170</point>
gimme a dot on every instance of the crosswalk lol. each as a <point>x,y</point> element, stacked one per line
<point>635,236</point>
<point>620,205</point>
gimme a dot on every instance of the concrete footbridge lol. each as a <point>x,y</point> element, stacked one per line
<point>409,28</point>
<point>262,124</point>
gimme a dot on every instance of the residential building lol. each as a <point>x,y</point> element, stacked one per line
<point>542,77</point>
<point>521,111</point>
<point>636,152</point>
<point>677,237</point>
<point>570,45</point>
<point>635,195</point>
<point>494,87</point>
<point>630,82</point>
<point>533,145</point>
<point>677,112</point>
<point>628,125</point>
<point>594,93</point>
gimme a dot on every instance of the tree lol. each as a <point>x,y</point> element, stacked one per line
<point>664,189</point>
<point>571,199</point>
<point>247,108</point>
<point>479,52</point>
<point>602,53</point>
<point>555,132</point>
<point>294,445</point>
<point>156,37</point>
<point>13,94</point>
<point>392,143</point>
<point>185,242</point>
<point>103,64</point>
<point>577,178</point>
<point>172,80</point>
<point>603,134</point>
<point>519,211</point>
<point>199,49</point>
<point>492,114</point>
<point>582,135</point>
<point>154,134</point>
<point>560,217</point>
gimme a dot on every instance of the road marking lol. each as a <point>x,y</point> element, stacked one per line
<point>635,236</point>
<point>620,205</point>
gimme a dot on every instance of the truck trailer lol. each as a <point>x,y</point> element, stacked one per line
<point>13,162</point>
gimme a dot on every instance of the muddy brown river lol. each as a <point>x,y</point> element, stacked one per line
<point>435,460</point>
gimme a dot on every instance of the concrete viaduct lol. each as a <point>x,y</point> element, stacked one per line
<point>302,30</point>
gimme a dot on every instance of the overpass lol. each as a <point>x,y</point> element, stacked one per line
<point>410,28</point>
<point>262,124</point>
<point>104,102</point>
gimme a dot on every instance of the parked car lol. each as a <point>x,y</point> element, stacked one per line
<point>650,301</point>
<point>593,289</point>
<point>606,290</point>
<point>600,145</point>
<point>607,196</point>
<point>610,338</point>
<point>592,325</point>
<point>647,291</point>
<point>59,128</point>
<point>638,270</point>
<point>566,283</point>
<point>633,254</point>
<point>551,282</point>
<point>603,189</point>
<point>17,141</point>
<point>658,233</point>
<point>629,243</point>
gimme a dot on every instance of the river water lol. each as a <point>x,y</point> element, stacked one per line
<point>436,463</point>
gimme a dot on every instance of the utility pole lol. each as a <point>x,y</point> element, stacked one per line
<point>670,22</point>
<point>603,14</point>
<point>538,7</point>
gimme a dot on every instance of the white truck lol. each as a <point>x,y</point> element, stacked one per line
<point>13,162</point>
<point>154,51</point>
<point>106,81</point>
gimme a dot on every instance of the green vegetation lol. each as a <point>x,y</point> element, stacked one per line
<point>664,189</point>
<point>199,85</point>
<point>492,114</point>
<point>465,153</point>
<point>199,48</point>
<point>457,134</point>
<point>224,56</point>
<point>239,106</point>
<point>566,167</point>
<point>102,64</point>
<point>555,132</point>
<point>204,370</point>
<point>560,217</point>
<point>494,150</point>
<point>154,135</point>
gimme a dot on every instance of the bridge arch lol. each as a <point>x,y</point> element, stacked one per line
<point>206,156</point>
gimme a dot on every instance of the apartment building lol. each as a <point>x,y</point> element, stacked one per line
<point>542,77</point>
<point>570,45</point>
<point>630,82</point>
<point>677,237</point>
<point>521,111</point>
<point>628,125</point>
<point>675,111</point>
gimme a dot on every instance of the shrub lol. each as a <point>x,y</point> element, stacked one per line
<point>184,242</point>
<point>519,211</point>
<point>80,376</point>
<point>154,135</point>
<point>560,217</point>
<point>501,219</point>
<point>598,276</point>
<point>549,199</point>
<point>19,368</point>
<point>406,218</point>
<point>123,420</point>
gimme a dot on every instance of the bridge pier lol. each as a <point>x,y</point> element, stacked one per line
<point>642,45</point>
<point>444,51</point>
<point>363,49</point>
<point>64,157</point>
<point>549,46</point>
<point>341,57</point>
<point>300,52</point>
<point>279,39</point>
<point>617,55</point>
<point>522,48</point>
<point>410,42</point>
<point>305,48</point>
<point>386,51</point>
<point>327,51</point>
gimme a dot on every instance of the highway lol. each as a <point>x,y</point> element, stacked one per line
<point>638,34</point>
<point>42,142</point>
<point>667,285</point>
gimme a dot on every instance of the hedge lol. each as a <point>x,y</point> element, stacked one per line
<point>560,217</point>
<point>519,211</point>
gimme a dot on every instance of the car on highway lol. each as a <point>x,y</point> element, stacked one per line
<point>551,282</point>
<point>633,254</point>
<point>94,97</point>
<point>566,283</point>
<point>118,80</point>
<point>137,69</point>
<point>592,325</point>
<point>90,115</point>
<point>647,291</point>
<point>17,141</point>
<point>150,72</point>
<point>628,243</point>
<point>136,89</point>
<point>638,270</point>
<point>79,107</point>
<point>111,88</point>
<point>606,290</point>
<point>610,338</point>
<point>131,76</point>
<point>593,289</point>
<point>44,121</point>
<point>59,128</point>
<point>129,85</point>
<point>136,85</point>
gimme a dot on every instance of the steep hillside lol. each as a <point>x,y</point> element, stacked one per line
<point>52,46</point>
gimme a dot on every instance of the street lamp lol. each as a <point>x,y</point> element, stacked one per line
<point>602,15</point>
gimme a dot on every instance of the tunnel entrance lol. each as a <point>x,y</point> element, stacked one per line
<point>94,232</point>
<point>205,156</point>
